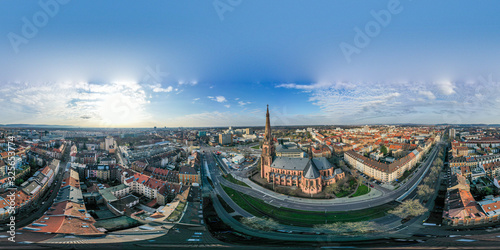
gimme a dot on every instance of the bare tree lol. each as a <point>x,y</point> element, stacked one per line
<point>424,190</point>
<point>349,227</point>
<point>333,188</point>
<point>260,223</point>
<point>409,208</point>
<point>439,162</point>
<point>427,180</point>
<point>359,180</point>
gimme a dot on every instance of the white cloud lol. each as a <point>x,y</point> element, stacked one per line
<point>400,102</point>
<point>427,94</point>
<point>227,106</point>
<point>446,87</point>
<point>102,105</point>
<point>242,103</point>
<point>192,83</point>
<point>157,88</point>
<point>315,86</point>
<point>220,99</point>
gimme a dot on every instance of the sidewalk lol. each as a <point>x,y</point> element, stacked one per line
<point>374,193</point>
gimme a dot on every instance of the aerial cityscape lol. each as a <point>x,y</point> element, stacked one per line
<point>233,124</point>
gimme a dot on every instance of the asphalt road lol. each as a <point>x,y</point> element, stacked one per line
<point>216,178</point>
<point>355,205</point>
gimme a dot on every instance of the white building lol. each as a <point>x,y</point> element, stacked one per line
<point>238,159</point>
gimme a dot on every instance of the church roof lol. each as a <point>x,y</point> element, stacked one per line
<point>289,163</point>
<point>311,171</point>
<point>300,164</point>
<point>321,163</point>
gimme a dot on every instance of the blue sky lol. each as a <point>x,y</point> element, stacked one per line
<point>218,63</point>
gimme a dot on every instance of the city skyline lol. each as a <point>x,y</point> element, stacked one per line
<point>198,66</point>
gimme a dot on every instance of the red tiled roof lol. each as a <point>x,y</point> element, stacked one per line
<point>491,207</point>
<point>154,183</point>
<point>140,178</point>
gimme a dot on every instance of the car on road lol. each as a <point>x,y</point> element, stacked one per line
<point>371,185</point>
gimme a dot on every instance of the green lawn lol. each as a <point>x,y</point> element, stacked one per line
<point>117,223</point>
<point>256,147</point>
<point>180,207</point>
<point>225,205</point>
<point>238,199</point>
<point>347,192</point>
<point>174,216</point>
<point>288,216</point>
<point>233,180</point>
<point>343,193</point>
<point>362,190</point>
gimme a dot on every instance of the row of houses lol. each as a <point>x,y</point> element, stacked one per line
<point>461,209</point>
<point>477,166</point>
<point>382,171</point>
<point>30,191</point>
<point>473,161</point>
<point>483,146</point>
<point>68,214</point>
<point>49,150</point>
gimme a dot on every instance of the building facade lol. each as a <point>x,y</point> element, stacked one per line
<point>225,139</point>
<point>188,175</point>
<point>381,171</point>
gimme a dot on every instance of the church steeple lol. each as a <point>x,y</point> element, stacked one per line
<point>267,149</point>
<point>267,133</point>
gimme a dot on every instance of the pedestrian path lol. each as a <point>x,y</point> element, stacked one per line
<point>374,193</point>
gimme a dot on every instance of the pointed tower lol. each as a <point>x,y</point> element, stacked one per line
<point>266,158</point>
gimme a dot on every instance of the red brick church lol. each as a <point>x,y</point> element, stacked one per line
<point>309,174</point>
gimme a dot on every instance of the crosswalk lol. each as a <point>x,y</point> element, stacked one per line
<point>70,242</point>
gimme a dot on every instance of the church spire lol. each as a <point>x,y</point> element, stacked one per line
<point>267,150</point>
<point>267,133</point>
